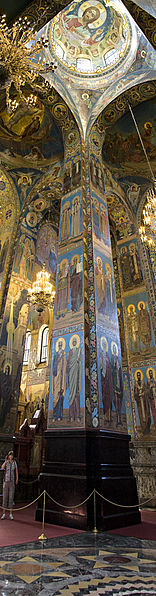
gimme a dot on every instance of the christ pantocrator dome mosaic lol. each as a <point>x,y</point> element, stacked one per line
<point>92,37</point>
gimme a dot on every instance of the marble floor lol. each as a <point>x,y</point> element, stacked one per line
<point>85,563</point>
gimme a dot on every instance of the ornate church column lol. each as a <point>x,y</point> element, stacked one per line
<point>87,441</point>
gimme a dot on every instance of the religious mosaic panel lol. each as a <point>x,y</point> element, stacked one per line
<point>69,290</point>
<point>9,211</point>
<point>131,269</point>
<point>110,378</point>
<point>11,352</point>
<point>24,257</point>
<point>72,170</point>
<point>91,38</point>
<point>122,149</point>
<point>66,399</point>
<point>34,387</point>
<point>112,406</point>
<point>101,234</point>
<point>71,218</point>
<point>119,214</point>
<point>131,424</point>
<point>121,328</point>
<point>66,405</point>
<point>106,310</point>
<point>144,379</point>
<point>35,136</point>
<point>96,171</point>
<point>46,249</point>
<point>139,325</point>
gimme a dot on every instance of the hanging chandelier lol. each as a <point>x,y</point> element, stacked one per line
<point>22,62</point>
<point>42,292</point>
<point>148,230</point>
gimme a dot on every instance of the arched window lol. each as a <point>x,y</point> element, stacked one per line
<point>44,344</point>
<point>27,347</point>
<point>84,64</point>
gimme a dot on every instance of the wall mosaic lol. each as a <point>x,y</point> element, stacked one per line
<point>110,379</point>
<point>97,174</point>
<point>24,257</point>
<point>69,293</point>
<point>46,248</point>
<point>110,384</point>
<point>105,290</point>
<point>131,270</point>
<point>121,329</point>
<point>139,324</point>
<point>144,379</point>
<point>143,69</point>
<point>91,373</point>
<point>91,38</point>
<point>101,235</point>
<point>120,216</point>
<point>34,388</point>
<point>131,425</point>
<point>12,345</point>
<point>122,149</point>
<point>72,173</point>
<point>30,136</point>
<point>134,189</point>
<point>149,6</point>
<point>66,399</point>
<point>143,13</point>
<point>71,218</point>
<point>8,219</point>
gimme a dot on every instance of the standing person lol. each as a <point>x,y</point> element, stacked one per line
<point>11,477</point>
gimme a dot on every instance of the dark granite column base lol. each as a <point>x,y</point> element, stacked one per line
<point>76,462</point>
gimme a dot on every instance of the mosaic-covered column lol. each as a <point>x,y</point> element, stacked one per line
<point>87,441</point>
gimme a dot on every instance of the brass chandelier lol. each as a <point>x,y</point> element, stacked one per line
<point>148,230</point>
<point>42,292</point>
<point>22,62</point>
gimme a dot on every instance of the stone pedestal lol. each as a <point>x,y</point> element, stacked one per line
<point>143,461</point>
<point>76,462</point>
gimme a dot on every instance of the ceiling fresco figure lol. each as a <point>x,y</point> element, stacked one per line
<point>84,34</point>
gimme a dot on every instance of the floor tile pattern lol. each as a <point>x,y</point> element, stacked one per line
<point>80,564</point>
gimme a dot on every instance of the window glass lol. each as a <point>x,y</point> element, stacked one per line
<point>44,344</point>
<point>27,347</point>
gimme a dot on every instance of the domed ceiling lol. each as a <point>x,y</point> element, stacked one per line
<point>99,51</point>
<point>91,37</point>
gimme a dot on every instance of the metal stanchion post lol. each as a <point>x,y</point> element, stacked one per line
<point>95,528</point>
<point>43,537</point>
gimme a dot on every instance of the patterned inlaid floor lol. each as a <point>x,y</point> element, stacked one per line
<point>80,564</point>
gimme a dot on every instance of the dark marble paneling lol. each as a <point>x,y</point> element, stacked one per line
<point>76,463</point>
